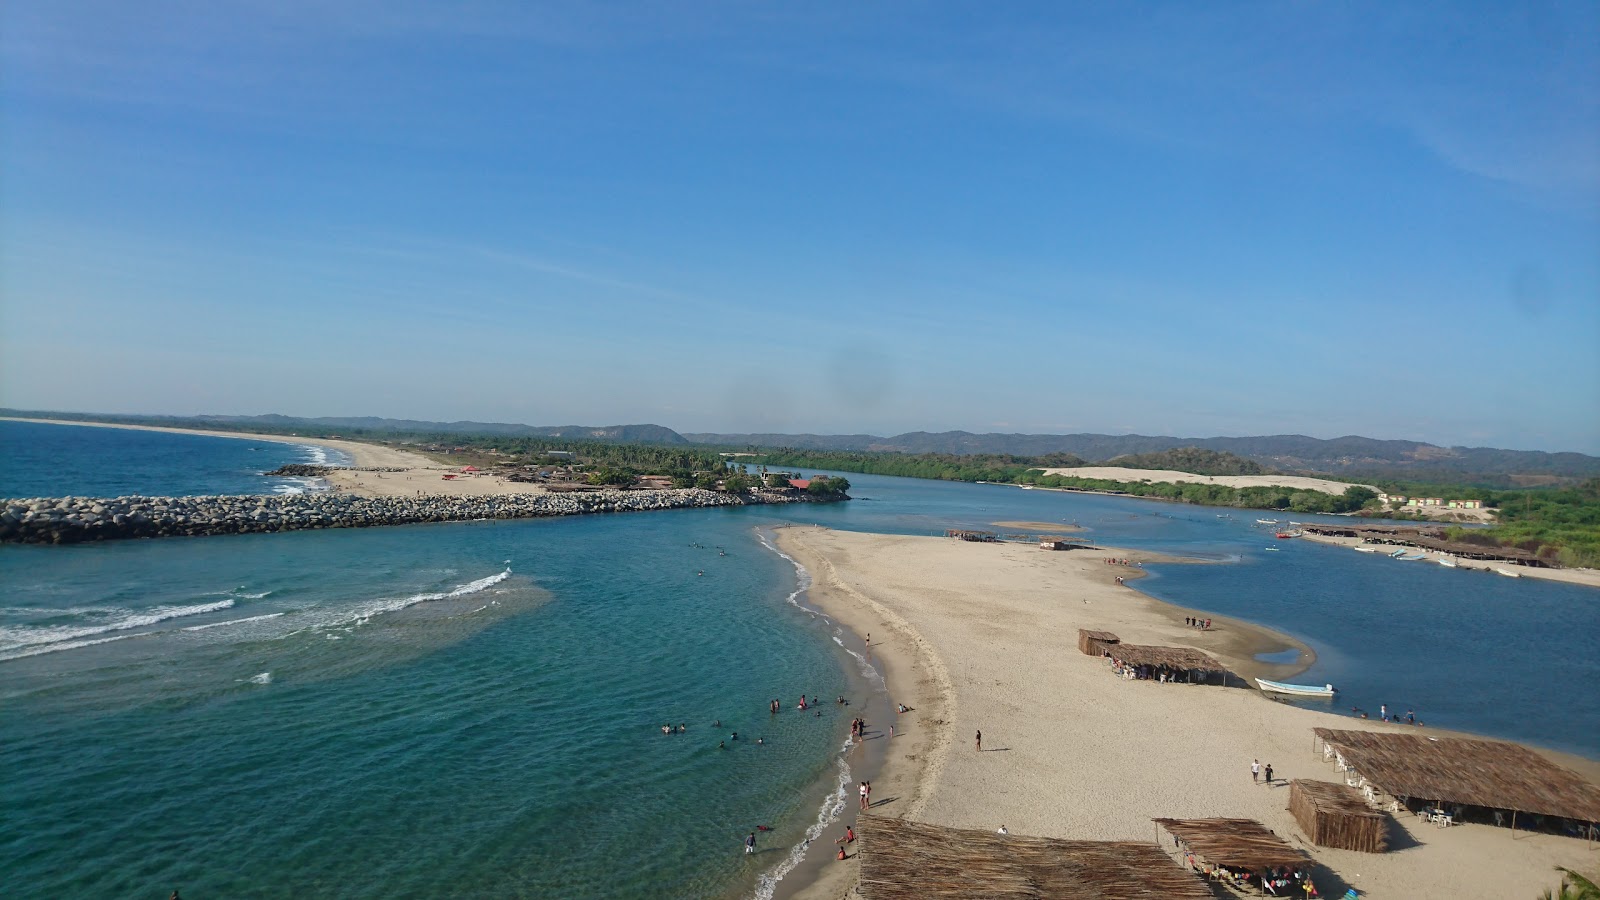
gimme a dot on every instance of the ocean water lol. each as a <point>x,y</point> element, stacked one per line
<point>41,460</point>
<point>475,709</point>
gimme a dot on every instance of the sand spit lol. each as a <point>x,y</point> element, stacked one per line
<point>983,636</point>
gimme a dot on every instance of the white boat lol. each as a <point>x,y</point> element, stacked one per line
<point>1266,521</point>
<point>1365,549</point>
<point>1509,574</point>
<point>1412,557</point>
<point>1447,562</point>
<point>1398,553</point>
<point>1299,690</point>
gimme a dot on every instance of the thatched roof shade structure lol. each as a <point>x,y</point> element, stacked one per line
<point>1490,774</point>
<point>903,860</point>
<point>1427,539</point>
<point>1336,815</point>
<point>1242,843</point>
<point>1171,657</point>
<point>1094,643</point>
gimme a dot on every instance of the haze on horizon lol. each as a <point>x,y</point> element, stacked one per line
<point>1175,219</point>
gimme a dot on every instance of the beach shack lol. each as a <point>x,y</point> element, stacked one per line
<point>1450,780</point>
<point>904,860</point>
<point>1095,643</point>
<point>1239,853</point>
<point>1168,664</point>
<point>963,534</point>
<point>1055,543</point>
<point>1337,815</point>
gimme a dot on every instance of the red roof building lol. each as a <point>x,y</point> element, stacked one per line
<point>800,483</point>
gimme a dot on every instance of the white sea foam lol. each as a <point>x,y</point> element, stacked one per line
<point>56,637</point>
<point>232,622</point>
<point>252,596</point>
<point>263,678</point>
<point>833,803</point>
<point>364,612</point>
<point>69,645</point>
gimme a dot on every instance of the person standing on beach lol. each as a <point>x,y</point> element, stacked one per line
<point>1269,773</point>
<point>750,843</point>
<point>1383,711</point>
<point>1255,771</point>
<point>980,740</point>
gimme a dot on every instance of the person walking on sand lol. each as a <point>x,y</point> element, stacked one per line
<point>863,795</point>
<point>1269,773</point>
<point>979,740</point>
<point>1255,771</point>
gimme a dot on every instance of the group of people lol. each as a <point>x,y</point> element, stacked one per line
<point>1194,622</point>
<point>1163,674</point>
<point>1278,881</point>
<point>858,728</point>
<point>680,728</point>
<point>1256,771</point>
<point>1115,561</point>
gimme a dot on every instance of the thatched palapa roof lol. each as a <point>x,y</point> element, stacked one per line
<point>1339,798</point>
<point>1171,657</point>
<point>901,859</point>
<point>1243,843</point>
<point>1477,773</point>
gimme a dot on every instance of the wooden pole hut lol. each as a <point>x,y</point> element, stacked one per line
<point>1336,815</point>
<point>1482,780</point>
<point>1186,660</point>
<point>903,860</point>
<point>1094,643</point>
<point>1244,849</point>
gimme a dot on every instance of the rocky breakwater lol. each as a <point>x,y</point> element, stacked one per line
<point>71,520</point>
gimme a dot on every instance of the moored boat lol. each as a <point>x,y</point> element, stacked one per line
<point>1509,574</point>
<point>1298,690</point>
<point>1365,549</point>
<point>1447,562</point>
<point>1266,521</point>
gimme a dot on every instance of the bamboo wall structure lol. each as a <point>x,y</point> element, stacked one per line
<point>1093,643</point>
<point>1336,815</point>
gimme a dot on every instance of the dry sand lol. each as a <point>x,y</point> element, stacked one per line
<point>1586,577</point>
<point>983,636</point>
<point>1296,482</point>
<point>421,475</point>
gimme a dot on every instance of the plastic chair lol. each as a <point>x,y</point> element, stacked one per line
<point>1351,895</point>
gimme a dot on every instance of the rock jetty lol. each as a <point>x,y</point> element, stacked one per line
<point>71,520</point>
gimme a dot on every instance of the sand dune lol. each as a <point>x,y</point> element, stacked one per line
<point>1296,482</point>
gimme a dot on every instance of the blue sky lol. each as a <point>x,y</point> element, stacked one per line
<point>1191,219</point>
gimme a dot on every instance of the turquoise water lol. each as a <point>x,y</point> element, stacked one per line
<point>475,709</point>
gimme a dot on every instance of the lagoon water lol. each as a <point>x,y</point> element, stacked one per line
<point>475,709</point>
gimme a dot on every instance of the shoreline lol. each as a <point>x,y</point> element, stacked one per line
<point>361,453</point>
<point>1081,762</point>
<point>1584,577</point>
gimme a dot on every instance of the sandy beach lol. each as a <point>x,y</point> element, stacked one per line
<point>983,637</point>
<point>1586,577</point>
<point>421,474</point>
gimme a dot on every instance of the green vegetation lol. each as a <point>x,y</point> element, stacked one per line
<point>1190,459</point>
<point>1355,497</point>
<point>1559,524</point>
<point>938,466</point>
<point>826,486</point>
<point>1574,886</point>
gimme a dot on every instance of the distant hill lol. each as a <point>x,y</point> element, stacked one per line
<point>1190,459</point>
<point>1351,457</point>
<point>370,425</point>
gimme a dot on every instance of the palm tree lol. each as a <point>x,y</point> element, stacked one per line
<point>1573,887</point>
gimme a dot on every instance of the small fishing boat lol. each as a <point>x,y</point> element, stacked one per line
<point>1509,574</point>
<point>1412,557</point>
<point>1365,549</point>
<point>1298,690</point>
<point>1447,562</point>
<point>1273,549</point>
<point>1398,553</point>
<point>1266,521</point>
